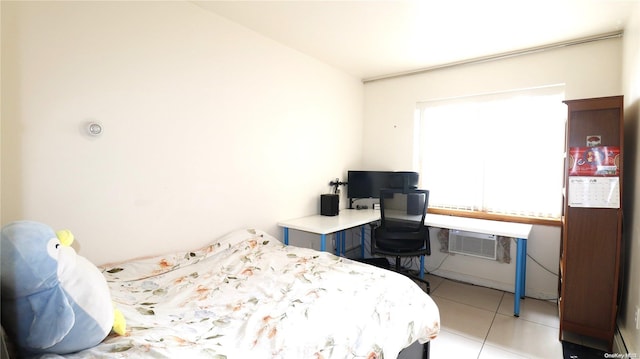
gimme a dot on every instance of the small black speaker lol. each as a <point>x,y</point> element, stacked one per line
<point>329,204</point>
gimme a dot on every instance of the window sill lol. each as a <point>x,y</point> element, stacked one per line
<point>496,217</point>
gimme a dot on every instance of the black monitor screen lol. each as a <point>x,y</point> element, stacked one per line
<point>367,184</point>
<point>364,184</point>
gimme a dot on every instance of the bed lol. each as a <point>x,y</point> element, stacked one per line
<point>247,295</point>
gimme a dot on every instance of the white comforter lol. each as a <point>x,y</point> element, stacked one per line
<point>249,296</point>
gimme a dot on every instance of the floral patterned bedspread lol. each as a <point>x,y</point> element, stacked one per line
<point>247,295</point>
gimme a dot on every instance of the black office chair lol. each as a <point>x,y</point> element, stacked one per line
<point>402,232</point>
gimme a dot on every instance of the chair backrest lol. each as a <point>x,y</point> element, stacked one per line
<point>403,210</point>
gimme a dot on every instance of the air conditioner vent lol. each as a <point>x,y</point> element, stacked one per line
<point>473,244</point>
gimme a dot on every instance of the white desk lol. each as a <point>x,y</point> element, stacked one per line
<point>351,218</point>
<point>520,231</point>
<point>323,225</point>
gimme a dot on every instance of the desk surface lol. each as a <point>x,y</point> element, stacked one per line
<point>499,228</point>
<point>349,218</point>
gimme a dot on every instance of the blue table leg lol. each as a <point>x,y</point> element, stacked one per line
<point>421,267</point>
<point>323,242</point>
<point>523,280</point>
<point>521,265</point>
<point>286,235</point>
<point>361,241</point>
<point>343,243</point>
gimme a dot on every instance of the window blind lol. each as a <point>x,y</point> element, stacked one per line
<point>499,153</point>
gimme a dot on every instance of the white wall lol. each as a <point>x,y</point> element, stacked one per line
<point>631,249</point>
<point>208,127</point>
<point>589,70</point>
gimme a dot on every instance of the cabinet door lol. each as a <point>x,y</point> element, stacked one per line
<point>591,260</point>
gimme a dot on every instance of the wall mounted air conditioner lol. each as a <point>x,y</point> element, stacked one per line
<point>473,244</point>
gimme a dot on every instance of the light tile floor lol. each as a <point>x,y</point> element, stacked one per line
<point>478,322</point>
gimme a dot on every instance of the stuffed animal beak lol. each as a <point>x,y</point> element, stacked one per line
<point>65,236</point>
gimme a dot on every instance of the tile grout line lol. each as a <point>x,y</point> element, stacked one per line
<point>495,314</point>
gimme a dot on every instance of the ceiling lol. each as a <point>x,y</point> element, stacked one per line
<point>370,39</point>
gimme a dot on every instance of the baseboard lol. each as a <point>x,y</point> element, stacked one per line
<point>618,343</point>
<point>483,282</point>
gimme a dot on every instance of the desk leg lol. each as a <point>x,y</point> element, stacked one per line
<point>286,236</point>
<point>421,267</point>
<point>323,242</point>
<point>343,243</point>
<point>523,280</point>
<point>362,242</point>
<point>521,267</point>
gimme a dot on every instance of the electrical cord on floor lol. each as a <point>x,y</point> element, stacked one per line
<point>536,261</point>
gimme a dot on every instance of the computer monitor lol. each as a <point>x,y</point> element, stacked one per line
<point>367,184</point>
<point>364,184</point>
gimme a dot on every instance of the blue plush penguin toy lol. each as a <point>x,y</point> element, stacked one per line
<point>53,300</point>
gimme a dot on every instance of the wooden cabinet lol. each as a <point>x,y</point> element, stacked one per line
<point>592,229</point>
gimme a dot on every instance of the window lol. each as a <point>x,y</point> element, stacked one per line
<point>498,153</point>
